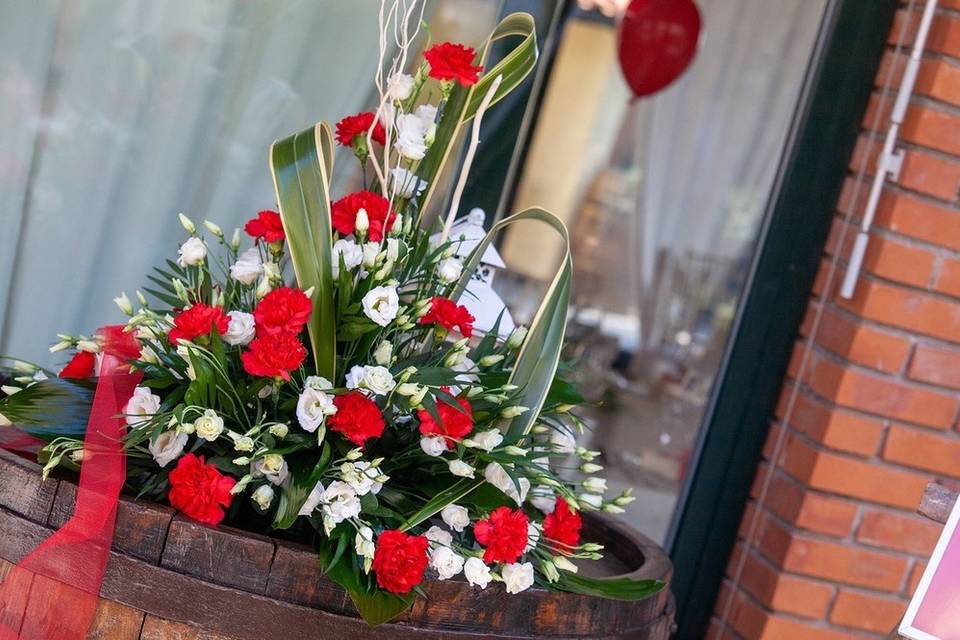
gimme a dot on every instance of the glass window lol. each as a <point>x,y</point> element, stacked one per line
<point>665,199</point>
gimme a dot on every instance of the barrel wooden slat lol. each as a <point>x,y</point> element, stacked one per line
<point>221,583</point>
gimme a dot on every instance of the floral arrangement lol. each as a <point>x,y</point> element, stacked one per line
<point>322,375</point>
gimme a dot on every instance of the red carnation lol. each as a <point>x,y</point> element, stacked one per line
<point>274,355</point>
<point>399,561</point>
<point>198,320</point>
<point>453,422</point>
<point>563,525</point>
<point>380,215</point>
<point>81,365</point>
<point>449,315</point>
<point>267,226</point>
<point>358,418</point>
<point>283,310</point>
<point>358,125</point>
<point>450,61</point>
<point>504,534</point>
<point>199,490</point>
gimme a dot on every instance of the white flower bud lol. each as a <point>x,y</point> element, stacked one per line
<point>564,564</point>
<point>595,485</point>
<point>244,443</point>
<point>280,430</point>
<point>362,222</point>
<point>354,454</point>
<point>516,451</point>
<point>141,298</point>
<point>460,468</point>
<point>213,228</point>
<point>589,467</point>
<point>124,304</point>
<point>235,239</point>
<point>187,224</point>
<point>384,353</point>
<point>612,508</point>
<point>513,412</point>
<point>517,337</point>
<point>489,361</point>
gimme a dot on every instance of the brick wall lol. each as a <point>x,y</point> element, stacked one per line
<point>837,548</point>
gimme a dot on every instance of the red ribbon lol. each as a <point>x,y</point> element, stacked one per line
<point>53,592</point>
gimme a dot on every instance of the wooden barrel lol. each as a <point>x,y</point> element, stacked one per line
<point>169,577</point>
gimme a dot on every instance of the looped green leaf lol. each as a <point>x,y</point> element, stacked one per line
<point>464,101</point>
<point>301,166</point>
<point>539,357</point>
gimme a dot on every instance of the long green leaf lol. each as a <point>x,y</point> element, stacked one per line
<point>305,472</point>
<point>613,588</point>
<point>301,166</point>
<point>464,101</point>
<point>51,408</point>
<point>436,504</point>
<point>375,606</point>
<point>539,357</point>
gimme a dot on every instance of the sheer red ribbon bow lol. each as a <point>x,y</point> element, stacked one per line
<point>53,592</point>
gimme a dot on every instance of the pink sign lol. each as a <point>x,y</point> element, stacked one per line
<point>934,612</point>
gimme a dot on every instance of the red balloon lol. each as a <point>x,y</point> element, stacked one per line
<point>658,40</point>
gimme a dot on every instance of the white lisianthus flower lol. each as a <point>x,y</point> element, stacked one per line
<point>487,440</point>
<point>563,563</point>
<point>449,270</point>
<point>340,502</point>
<point>244,444</point>
<point>381,304</point>
<point>271,466</point>
<point>563,442</point>
<point>433,446</point>
<point>209,426</point>
<point>241,330</point>
<point>247,268</point>
<point>456,517</point>
<point>427,114</point>
<point>378,379</point>
<point>533,536</point>
<point>411,140</point>
<point>354,377</point>
<point>192,252</point>
<point>184,352</point>
<point>167,447</point>
<point>543,498</point>
<point>318,382</point>
<point>517,577</point>
<point>439,536</point>
<point>384,353</point>
<point>142,405</point>
<point>446,563</point>
<point>498,477</point>
<point>477,573</point>
<point>263,496</point>
<point>352,255</point>
<point>460,468</point>
<point>399,86</point>
<point>313,500</point>
<point>313,407</point>
<point>407,184</point>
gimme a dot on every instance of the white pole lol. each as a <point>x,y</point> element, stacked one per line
<point>889,161</point>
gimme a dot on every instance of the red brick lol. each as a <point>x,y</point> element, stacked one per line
<point>886,257</point>
<point>936,365</point>
<point>916,218</point>
<point>780,628</point>
<point>916,448</point>
<point>880,395</point>
<point>832,561</point>
<point>854,477</point>
<point>945,34</point>
<point>930,174</point>
<point>784,592</point>
<point>868,612</point>
<point>939,79</point>
<point>845,564</point>
<point>832,426</point>
<point>866,345</point>
<point>812,511</point>
<point>933,128</point>
<point>909,533</point>
<point>908,309</point>
<point>948,280</point>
